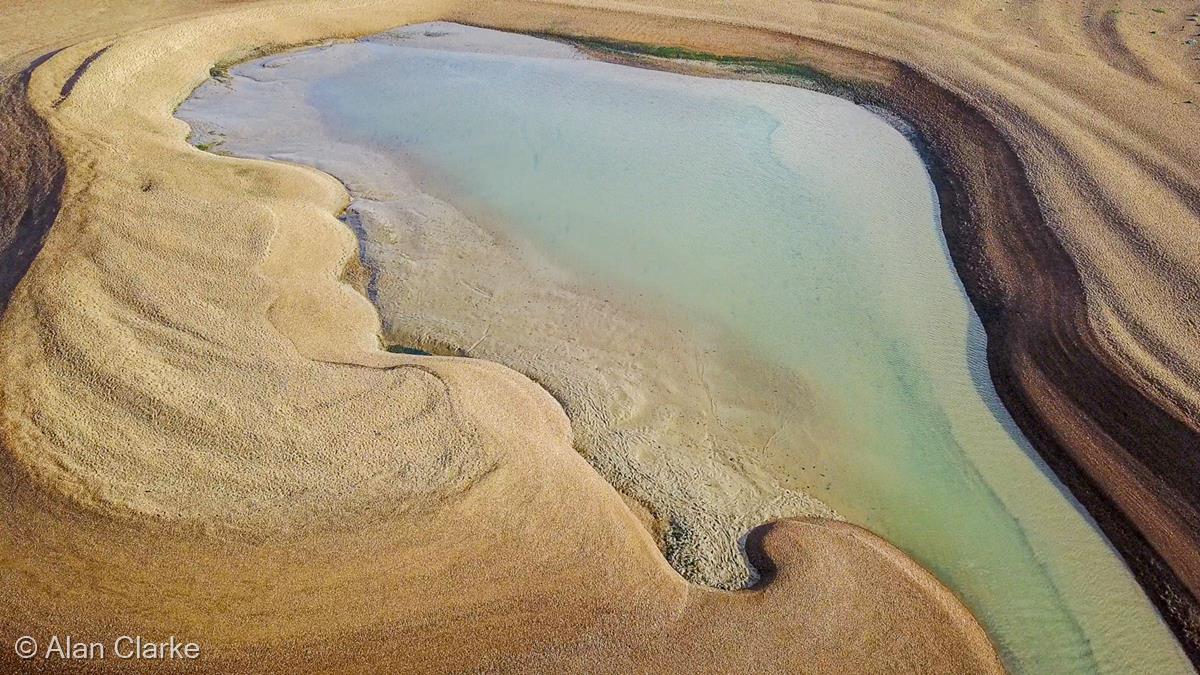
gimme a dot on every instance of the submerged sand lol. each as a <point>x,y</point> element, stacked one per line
<point>204,437</point>
<point>191,391</point>
<point>675,414</point>
<point>1066,134</point>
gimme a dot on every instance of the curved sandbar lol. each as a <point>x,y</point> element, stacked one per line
<point>981,62</point>
<point>191,443</point>
<point>794,248</point>
<point>1067,198</point>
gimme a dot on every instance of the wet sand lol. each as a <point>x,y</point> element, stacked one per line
<point>263,475</point>
<point>185,429</point>
<point>674,412</point>
<point>1085,291</point>
<point>675,418</point>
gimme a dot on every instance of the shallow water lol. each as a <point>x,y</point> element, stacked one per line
<point>808,227</point>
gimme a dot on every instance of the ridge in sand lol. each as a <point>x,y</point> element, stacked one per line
<point>188,407</point>
<point>190,416</point>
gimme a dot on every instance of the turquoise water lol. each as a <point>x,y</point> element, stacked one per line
<point>808,227</point>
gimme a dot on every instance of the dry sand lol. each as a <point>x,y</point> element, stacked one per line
<point>191,404</point>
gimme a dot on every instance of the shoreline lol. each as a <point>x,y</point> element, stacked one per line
<point>1011,346</point>
<point>572,558</point>
<point>1008,259</point>
<point>672,413</point>
<point>235,131</point>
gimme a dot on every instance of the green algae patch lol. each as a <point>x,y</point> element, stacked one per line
<point>794,73</point>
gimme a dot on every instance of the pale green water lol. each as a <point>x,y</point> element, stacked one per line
<point>808,226</point>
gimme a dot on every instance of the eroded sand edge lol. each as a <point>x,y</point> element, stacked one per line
<point>190,418</point>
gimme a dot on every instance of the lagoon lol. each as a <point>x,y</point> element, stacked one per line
<point>800,225</point>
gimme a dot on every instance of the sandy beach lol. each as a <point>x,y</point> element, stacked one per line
<point>192,377</point>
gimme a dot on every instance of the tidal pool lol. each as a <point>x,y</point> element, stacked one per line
<point>806,226</point>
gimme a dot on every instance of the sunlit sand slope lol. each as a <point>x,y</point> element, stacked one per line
<point>1068,132</point>
<point>201,437</point>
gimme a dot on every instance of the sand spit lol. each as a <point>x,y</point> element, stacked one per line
<point>201,436</point>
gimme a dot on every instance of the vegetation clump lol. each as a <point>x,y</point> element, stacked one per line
<point>798,73</point>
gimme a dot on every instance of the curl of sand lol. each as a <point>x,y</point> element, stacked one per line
<point>673,413</point>
<point>1067,134</point>
<point>202,438</point>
